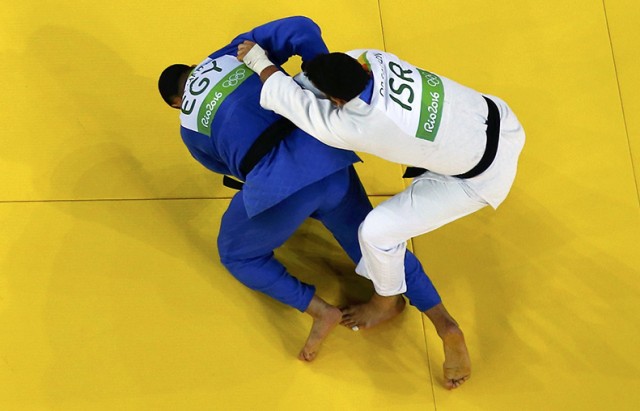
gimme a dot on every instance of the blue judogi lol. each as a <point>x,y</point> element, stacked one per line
<point>299,178</point>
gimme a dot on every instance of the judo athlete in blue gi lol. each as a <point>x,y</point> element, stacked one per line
<point>288,175</point>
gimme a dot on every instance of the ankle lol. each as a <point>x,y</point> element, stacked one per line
<point>450,330</point>
<point>386,302</point>
<point>318,307</point>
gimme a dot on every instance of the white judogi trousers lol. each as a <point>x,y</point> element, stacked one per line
<point>431,201</point>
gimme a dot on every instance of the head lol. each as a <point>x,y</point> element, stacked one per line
<point>338,75</point>
<point>171,84</point>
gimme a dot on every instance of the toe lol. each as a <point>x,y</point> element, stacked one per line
<point>348,310</point>
<point>455,383</point>
<point>348,322</point>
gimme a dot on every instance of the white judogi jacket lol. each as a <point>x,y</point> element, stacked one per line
<point>414,117</point>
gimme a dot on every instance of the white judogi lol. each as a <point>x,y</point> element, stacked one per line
<point>415,118</point>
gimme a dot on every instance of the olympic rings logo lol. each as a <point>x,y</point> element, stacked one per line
<point>234,79</point>
<point>432,79</point>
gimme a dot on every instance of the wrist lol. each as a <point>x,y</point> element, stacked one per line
<point>256,59</point>
<point>267,72</point>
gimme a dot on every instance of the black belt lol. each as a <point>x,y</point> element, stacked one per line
<point>493,134</point>
<point>265,142</point>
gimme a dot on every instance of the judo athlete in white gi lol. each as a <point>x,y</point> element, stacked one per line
<point>463,147</point>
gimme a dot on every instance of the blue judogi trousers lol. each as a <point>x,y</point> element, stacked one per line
<point>340,203</point>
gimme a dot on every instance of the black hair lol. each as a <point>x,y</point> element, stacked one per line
<point>169,82</point>
<point>337,75</point>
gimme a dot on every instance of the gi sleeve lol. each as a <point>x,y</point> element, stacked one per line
<point>284,38</point>
<point>318,117</point>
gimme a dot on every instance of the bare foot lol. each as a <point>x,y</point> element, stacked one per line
<point>325,318</point>
<point>372,313</point>
<point>457,364</point>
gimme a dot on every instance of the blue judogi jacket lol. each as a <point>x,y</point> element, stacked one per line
<point>299,160</point>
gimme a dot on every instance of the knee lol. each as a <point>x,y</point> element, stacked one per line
<point>235,264</point>
<point>225,248</point>
<point>234,252</point>
<point>257,272</point>
<point>372,231</point>
<point>248,271</point>
<point>228,260</point>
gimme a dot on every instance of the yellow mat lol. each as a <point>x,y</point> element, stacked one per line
<point>547,286</point>
<point>118,301</point>
<point>85,118</point>
<point>623,17</point>
<point>122,305</point>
